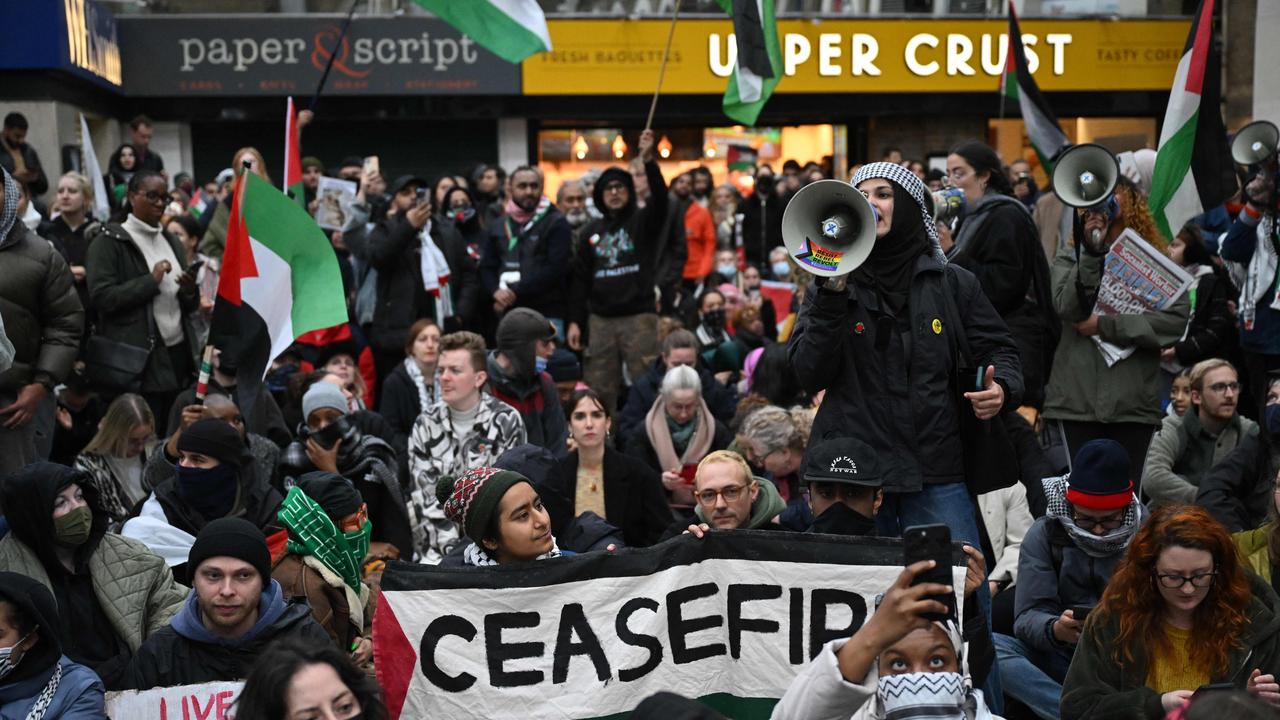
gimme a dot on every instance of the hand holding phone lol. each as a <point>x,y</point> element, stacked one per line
<point>931,542</point>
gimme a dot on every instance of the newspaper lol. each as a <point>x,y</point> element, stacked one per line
<point>1136,279</point>
<point>335,196</point>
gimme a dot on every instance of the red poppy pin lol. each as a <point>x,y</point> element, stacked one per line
<point>859,328</point>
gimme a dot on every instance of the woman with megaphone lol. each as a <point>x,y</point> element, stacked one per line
<point>885,339</point>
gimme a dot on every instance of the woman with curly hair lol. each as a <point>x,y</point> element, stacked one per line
<point>1180,612</point>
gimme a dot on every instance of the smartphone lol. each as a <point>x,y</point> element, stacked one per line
<point>1080,612</point>
<point>687,472</point>
<point>194,267</point>
<point>931,542</point>
<point>1213,687</point>
<point>371,165</point>
<point>422,195</point>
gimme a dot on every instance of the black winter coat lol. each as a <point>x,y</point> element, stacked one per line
<point>1212,330</point>
<point>400,405</point>
<point>258,503</point>
<point>541,254</point>
<point>121,290</point>
<point>1002,249</point>
<point>1237,491</point>
<point>42,314</point>
<point>892,386</point>
<point>395,251</point>
<point>721,400</point>
<point>761,227</point>
<point>640,447</point>
<point>167,659</point>
<point>634,499</point>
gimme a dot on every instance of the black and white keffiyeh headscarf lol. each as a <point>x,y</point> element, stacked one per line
<point>9,210</point>
<point>908,181</point>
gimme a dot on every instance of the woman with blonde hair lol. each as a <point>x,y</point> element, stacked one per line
<point>74,206</point>
<point>215,237</point>
<point>115,457</point>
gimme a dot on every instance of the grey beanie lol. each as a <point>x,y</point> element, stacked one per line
<point>323,395</point>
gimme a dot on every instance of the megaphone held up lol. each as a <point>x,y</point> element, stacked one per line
<point>946,204</point>
<point>1085,175</point>
<point>829,228</point>
<point>1255,143</point>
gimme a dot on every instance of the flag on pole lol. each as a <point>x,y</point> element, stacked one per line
<point>511,29</point>
<point>1193,171</point>
<point>759,58</point>
<point>279,279</point>
<point>89,163</point>
<point>293,157</point>
<point>1017,85</point>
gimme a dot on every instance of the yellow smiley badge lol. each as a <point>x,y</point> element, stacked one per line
<point>937,326</point>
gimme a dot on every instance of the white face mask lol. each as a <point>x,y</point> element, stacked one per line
<point>937,696</point>
<point>7,663</point>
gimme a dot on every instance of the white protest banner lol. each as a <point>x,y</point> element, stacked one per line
<point>1136,279</point>
<point>208,701</point>
<point>730,619</point>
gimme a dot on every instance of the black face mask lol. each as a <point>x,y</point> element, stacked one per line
<point>840,519</point>
<point>328,435</point>
<point>713,319</point>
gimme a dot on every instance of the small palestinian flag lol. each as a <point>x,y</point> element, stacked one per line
<point>759,63</point>
<point>293,157</point>
<point>279,279</point>
<point>1017,85</point>
<point>740,157</point>
<point>511,29</point>
<point>1193,171</point>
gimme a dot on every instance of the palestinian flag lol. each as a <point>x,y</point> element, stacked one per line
<point>279,280</point>
<point>759,62</point>
<point>293,157</point>
<point>1193,170</point>
<point>511,29</point>
<point>741,157</point>
<point>1017,85</point>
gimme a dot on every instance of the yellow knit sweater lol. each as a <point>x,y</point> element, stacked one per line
<point>1170,667</point>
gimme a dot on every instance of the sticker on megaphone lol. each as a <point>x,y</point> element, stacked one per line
<point>948,203</point>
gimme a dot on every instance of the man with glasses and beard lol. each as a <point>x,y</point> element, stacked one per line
<point>1067,558</point>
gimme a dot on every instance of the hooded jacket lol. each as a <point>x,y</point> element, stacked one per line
<point>721,400</point>
<point>766,507</point>
<point>42,314</point>
<point>80,693</point>
<point>186,653</point>
<point>118,582</point>
<point>617,256</point>
<point>1098,687</point>
<point>536,399</point>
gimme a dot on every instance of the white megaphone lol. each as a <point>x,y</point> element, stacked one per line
<point>829,228</point>
<point>1255,143</point>
<point>1085,175</point>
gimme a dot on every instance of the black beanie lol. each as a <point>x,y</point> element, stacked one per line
<point>332,492</point>
<point>235,538</point>
<point>216,439</point>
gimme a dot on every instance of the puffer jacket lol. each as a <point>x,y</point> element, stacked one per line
<point>1082,387</point>
<point>1098,687</point>
<point>122,289</point>
<point>42,314</point>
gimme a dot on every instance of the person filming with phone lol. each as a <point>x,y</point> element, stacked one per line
<point>1066,560</point>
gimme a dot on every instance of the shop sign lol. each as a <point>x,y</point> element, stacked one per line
<point>595,57</point>
<point>284,55</point>
<point>77,36</point>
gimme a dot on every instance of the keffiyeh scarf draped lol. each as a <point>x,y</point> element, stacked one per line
<point>476,556</point>
<point>1112,543</point>
<point>428,391</point>
<point>9,210</point>
<point>908,181</point>
<point>45,698</point>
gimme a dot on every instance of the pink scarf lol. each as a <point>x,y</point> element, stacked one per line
<point>516,213</point>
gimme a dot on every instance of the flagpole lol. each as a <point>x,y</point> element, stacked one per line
<point>315,99</point>
<point>666,53</point>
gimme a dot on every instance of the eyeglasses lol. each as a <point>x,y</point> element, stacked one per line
<point>1110,522</point>
<point>1173,581</point>
<point>730,494</point>
<point>155,198</point>
<point>1222,387</point>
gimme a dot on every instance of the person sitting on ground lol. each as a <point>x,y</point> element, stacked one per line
<point>1186,448</point>
<point>329,532</point>
<point>501,513</point>
<point>773,439</point>
<point>842,485</point>
<point>234,612</point>
<point>114,592</point>
<point>293,680</point>
<point>602,480</point>
<point>678,432</point>
<point>1237,491</point>
<point>412,386</point>
<point>1066,560</point>
<point>162,464</point>
<point>466,428</point>
<point>331,441</point>
<point>1179,394</point>
<point>729,497</point>
<point>36,679</point>
<point>899,664</point>
<point>115,457</point>
<point>679,347</point>
<point>266,419</point>
<point>518,377</point>
<point>1179,613</point>
<point>214,479</point>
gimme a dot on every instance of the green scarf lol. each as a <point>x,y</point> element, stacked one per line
<point>681,434</point>
<point>313,532</point>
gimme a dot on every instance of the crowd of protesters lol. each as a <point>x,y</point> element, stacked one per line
<point>523,377</point>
